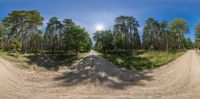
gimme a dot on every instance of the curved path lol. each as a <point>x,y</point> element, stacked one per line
<point>94,77</point>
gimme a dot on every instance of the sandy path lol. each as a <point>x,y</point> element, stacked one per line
<point>96,78</point>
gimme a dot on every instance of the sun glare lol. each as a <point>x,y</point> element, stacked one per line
<point>99,27</point>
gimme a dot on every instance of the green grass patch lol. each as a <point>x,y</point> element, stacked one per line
<point>142,60</point>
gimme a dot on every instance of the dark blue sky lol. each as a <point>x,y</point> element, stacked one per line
<point>89,13</point>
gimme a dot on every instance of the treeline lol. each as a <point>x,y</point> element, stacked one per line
<point>22,31</point>
<point>156,35</point>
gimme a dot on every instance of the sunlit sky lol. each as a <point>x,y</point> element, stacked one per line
<point>92,13</point>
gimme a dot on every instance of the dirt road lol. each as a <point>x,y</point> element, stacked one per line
<point>97,78</point>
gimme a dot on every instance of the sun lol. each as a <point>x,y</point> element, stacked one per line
<point>99,27</point>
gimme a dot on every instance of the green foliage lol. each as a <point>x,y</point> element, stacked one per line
<point>179,27</point>
<point>76,38</point>
<point>21,31</point>
<point>197,36</point>
<point>4,31</point>
<point>104,40</point>
<point>142,60</point>
<point>52,34</point>
<point>126,34</point>
<point>25,28</point>
<point>86,43</point>
<point>16,45</point>
<point>160,36</point>
<point>155,35</point>
<point>188,43</point>
<point>149,35</point>
<point>22,25</point>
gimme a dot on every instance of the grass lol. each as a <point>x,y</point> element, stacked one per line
<point>142,60</point>
<point>198,51</point>
<point>48,61</point>
<point>139,60</point>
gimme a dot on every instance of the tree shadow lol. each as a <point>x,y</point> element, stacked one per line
<point>51,62</point>
<point>96,70</point>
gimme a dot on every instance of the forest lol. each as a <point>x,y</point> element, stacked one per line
<point>22,32</point>
<point>156,35</point>
<point>99,49</point>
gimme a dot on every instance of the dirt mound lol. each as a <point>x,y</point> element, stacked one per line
<point>96,70</point>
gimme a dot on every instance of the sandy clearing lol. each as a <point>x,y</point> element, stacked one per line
<point>96,78</point>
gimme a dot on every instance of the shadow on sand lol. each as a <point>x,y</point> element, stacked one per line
<point>52,62</point>
<point>98,71</point>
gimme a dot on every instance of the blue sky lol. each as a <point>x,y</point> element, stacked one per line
<point>89,13</point>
